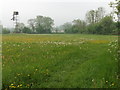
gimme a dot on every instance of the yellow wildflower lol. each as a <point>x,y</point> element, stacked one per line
<point>11,84</point>
<point>106,81</point>
<point>112,84</point>
<point>20,84</point>
<point>28,75</point>
<point>18,74</point>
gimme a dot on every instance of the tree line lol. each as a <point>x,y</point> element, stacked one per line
<point>96,22</point>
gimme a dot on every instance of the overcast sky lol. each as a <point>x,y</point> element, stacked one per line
<point>60,10</point>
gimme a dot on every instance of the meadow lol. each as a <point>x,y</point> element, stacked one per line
<point>59,61</point>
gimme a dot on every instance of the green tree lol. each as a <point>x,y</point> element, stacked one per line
<point>90,17</point>
<point>43,24</point>
<point>79,26</point>
<point>100,14</point>
<point>19,28</point>
<point>92,28</point>
<point>5,31</point>
<point>107,25</point>
<point>94,16</point>
<point>67,27</point>
<point>26,30</point>
<point>116,9</point>
<point>31,23</point>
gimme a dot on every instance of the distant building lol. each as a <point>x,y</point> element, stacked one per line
<point>60,31</point>
<point>57,31</point>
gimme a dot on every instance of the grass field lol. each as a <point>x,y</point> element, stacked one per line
<point>59,61</point>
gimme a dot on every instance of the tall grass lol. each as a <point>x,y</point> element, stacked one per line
<point>59,61</point>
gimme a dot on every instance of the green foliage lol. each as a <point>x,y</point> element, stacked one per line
<point>94,16</point>
<point>43,24</point>
<point>79,26</point>
<point>96,23</point>
<point>5,31</point>
<point>26,30</point>
<point>116,6</point>
<point>91,28</point>
<point>104,26</point>
<point>67,27</point>
<point>31,23</point>
<point>19,27</point>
